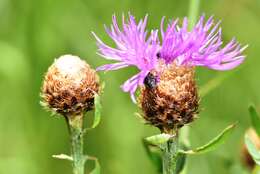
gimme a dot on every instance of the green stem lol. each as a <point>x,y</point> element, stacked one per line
<point>193,12</point>
<point>75,124</point>
<point>184,138</point>
<point>170,152</point>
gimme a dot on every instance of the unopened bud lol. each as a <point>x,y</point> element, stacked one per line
<point>69,86</point>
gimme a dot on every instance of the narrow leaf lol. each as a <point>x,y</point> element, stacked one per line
<point>97,116</point>
<point>154,154</point>
<point>63,157</point>
<point>213,144</point>
<point>181,160</point>
<point>252,150</point>
<point>159,139</point>
<point>97,168</point>
<point>255,119</point>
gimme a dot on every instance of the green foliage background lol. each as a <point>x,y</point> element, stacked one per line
<point>34,32</point>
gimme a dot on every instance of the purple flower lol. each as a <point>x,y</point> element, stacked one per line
<point>133,48</point>
<point>201,46</point>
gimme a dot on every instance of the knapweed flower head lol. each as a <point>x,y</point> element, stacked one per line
<point>168,96</point>
<point>69,86</point>
<point>201,46</point>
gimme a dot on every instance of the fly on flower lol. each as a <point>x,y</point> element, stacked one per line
<point>169,97</point>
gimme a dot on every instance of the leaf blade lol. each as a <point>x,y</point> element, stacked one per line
<point>212,144</point>
<point>97,169</point>
<point>255,119</point>
<point>97,114</point>
<point>159,139</point>
<point>154,154</point>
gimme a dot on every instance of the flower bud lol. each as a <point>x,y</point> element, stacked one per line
<point>169,99</point>
<point>69,86</point>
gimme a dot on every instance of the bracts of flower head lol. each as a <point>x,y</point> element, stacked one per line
<point>169,97</point>
<point>69,86</point>
<point>69,89</point>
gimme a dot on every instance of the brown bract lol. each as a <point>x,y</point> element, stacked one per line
<point>69,86</point>
<point>174,101</point>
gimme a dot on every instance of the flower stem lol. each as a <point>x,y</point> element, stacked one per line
<point>75,124</point>
<point>193,12</point>
<point>170,152</point>
<point>184,138</point>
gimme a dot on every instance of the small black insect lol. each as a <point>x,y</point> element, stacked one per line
<point>158,55</point>
<point>150,81</point>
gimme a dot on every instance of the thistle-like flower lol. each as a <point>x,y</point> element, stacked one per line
<point>69,86</point>
<point>169,97</point>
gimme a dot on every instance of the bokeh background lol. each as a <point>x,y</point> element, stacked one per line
<point>34,32</point>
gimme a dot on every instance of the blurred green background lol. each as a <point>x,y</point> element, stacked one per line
<point>34,32</point>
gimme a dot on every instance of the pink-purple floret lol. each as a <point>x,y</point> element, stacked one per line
<point>201,46</point>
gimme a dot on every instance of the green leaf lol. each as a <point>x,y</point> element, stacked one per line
<point>97,169</point>
<point>97,112</point>
<point>159,139</point>
<point>252,150</point>
<point>154,154</point>
<point>255,119</point>
<point>63,157</point>
<point>97,116</point>
<point>181,160</point>
<point>213,144</point>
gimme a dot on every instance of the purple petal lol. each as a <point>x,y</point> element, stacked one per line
<point>200,47</point>
<point>114,66</point>
<point>133,48</point>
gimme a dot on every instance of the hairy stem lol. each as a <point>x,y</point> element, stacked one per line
<point>170,152</point>
<point>75,124</point>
